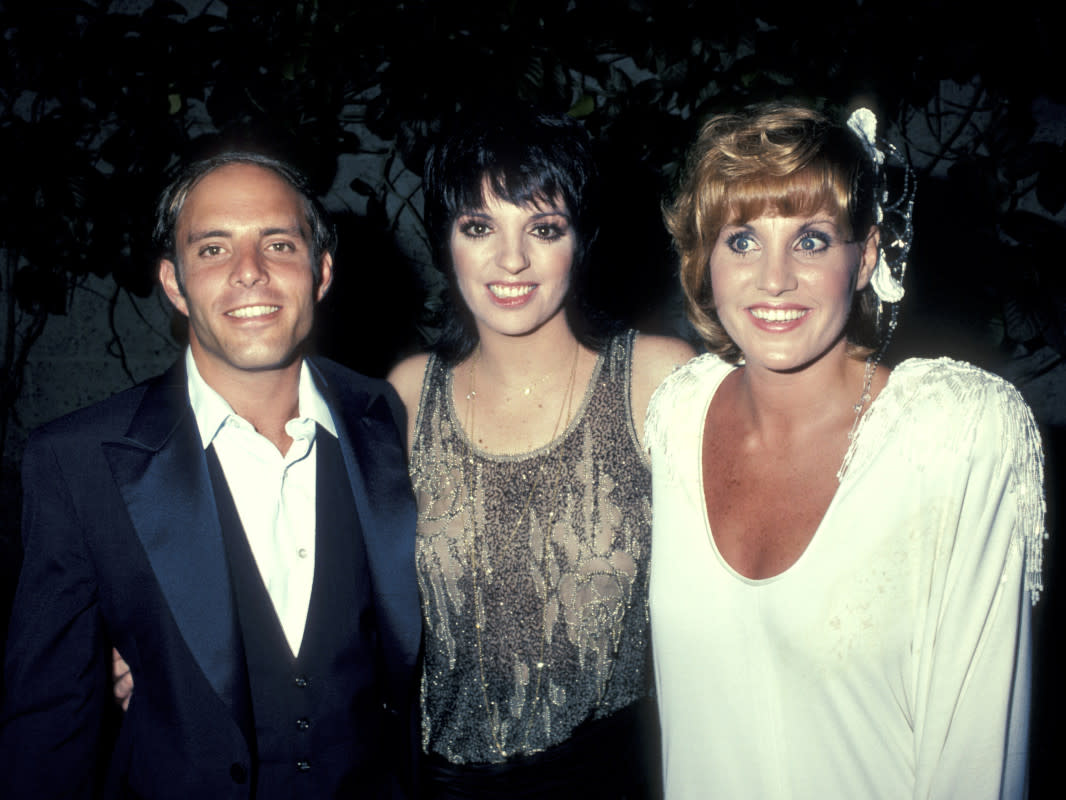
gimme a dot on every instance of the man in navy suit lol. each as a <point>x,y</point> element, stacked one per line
<point>241,528</point>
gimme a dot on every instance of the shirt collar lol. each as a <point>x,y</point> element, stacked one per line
<point>211,410</point>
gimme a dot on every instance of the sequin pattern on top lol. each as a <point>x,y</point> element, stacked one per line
<point>562,603</point>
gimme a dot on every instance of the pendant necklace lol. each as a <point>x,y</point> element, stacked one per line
<point>471,481</point>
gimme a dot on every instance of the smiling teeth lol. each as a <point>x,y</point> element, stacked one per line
<point>777,314</point>
<point>252,311</point>
<point>506,290</point>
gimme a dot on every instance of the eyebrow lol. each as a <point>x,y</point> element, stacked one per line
<point>220,233</point>
<point>555,212</point>
<point>199,236</point>
<point>811,221</point>
<point>288,231</point>
<point>482,214</point>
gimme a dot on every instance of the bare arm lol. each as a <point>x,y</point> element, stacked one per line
<point>406,378</point>
<point>654,357</point>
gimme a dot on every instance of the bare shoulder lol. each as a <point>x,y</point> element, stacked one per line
<point>406,378</point>
<point>654,357</point>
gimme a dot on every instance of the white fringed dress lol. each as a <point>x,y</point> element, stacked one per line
<point>892,660</point>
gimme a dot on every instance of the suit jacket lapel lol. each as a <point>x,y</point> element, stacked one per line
<point>161,471</point>
<point>376,460</point>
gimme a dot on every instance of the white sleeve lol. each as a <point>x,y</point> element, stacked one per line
<point>972,725</point>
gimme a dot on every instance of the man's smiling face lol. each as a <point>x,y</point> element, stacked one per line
<point>247,286</point>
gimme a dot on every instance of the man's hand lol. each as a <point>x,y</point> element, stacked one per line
<point>122,679</point>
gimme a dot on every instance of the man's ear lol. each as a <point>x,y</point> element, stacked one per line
<point>325,276</point>
<point>871,249</point>
<point>168,279</point>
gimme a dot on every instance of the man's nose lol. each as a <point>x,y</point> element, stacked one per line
<point>249,268</point>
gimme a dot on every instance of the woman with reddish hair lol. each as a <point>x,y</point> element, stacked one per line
<point>845,555</point>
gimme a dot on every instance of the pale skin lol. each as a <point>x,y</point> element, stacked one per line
<point>525,341</point>
<point>777,429</point>
<point>242,246</point>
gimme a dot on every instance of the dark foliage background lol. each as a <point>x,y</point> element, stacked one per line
<point>100,101</point>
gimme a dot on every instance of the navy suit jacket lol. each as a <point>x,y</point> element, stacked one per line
<point>123,546</point>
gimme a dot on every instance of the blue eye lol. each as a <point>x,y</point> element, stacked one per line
<point>740,242</point>
<point>813,242</point>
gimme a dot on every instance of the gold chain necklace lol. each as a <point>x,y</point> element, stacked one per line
<point>478,598</point>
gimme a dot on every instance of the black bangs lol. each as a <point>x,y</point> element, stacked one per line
<point>528,159</point>
<point>547,162</point>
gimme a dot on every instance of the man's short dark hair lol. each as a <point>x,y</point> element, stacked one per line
<point>172,201</point>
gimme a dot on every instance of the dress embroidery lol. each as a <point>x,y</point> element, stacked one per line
<point>563,605</point>
<point>892,659</point>
<point>943,385</point>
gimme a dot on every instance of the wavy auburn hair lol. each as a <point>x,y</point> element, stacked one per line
<point>776,159</point>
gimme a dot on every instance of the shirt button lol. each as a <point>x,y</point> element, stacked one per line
<point>238,772</point>
<point>301,682</point>
<point>302,724</point>
<point>303,766</point>
<point>302,552</point>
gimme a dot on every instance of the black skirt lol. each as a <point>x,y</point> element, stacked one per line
<point>615,758</point>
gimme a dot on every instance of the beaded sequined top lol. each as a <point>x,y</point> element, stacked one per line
<point>562,603</point>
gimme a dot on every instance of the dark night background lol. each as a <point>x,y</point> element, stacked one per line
<point>99,102</point>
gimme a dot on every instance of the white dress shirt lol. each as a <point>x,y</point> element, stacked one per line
<point>274,493</point>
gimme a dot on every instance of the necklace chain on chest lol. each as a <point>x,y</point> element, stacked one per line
<point>471,505</point>
<point>872,363</point>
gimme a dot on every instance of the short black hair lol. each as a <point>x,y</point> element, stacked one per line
<point>172,201</point>
<point>527,158</point>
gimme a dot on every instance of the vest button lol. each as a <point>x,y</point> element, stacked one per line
<point>303,766</point>
<point>238,772</point>
<point>302,724</point>
<point>301,682</point>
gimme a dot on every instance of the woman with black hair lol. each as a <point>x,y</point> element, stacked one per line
<point>533,487</point>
